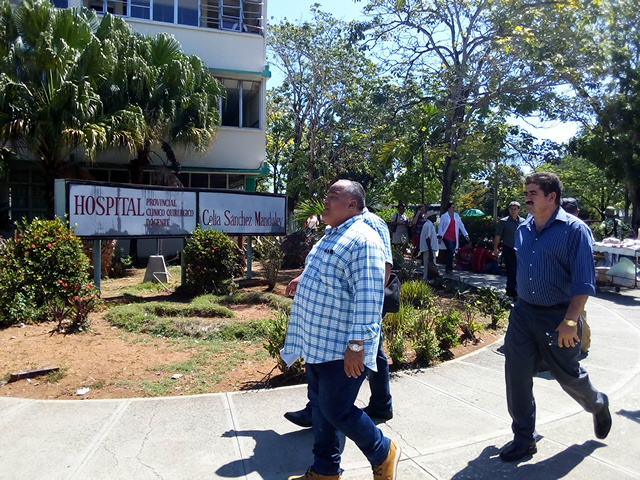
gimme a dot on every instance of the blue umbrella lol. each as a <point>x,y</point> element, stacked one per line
<point>472,212</point>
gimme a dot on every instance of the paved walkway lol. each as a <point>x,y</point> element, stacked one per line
<point>450,420</point>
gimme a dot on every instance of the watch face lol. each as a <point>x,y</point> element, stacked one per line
<point>355,347</point>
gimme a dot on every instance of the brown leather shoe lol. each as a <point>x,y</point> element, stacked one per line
<point>389,468</point>
<point>311,475</point>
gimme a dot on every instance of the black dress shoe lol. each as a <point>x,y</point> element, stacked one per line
<point>380,414</point>
<point>602,420</point>
<point>302,418</point>
<point>512,452</point>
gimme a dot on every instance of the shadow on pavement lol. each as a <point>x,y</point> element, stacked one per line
<point>631,415</point>
<point>275,455</point>
<point>488,466</point>
<point>619,298</point>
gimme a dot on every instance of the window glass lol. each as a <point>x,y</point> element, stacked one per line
<point>163,11</point>
<point>141,8</point>
<point>251,104</point>
<point>188,12</point>
<point>117,7</point>
<point>97,5</point>
<point>119,176</point>
<point>231,105</point>
<point>199,180</point>
<point>218,181</point>
<point>210,13</point>
<point>236,182</point>
<point>60,3</point>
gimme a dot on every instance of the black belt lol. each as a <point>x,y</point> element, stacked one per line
<point>558,306</point>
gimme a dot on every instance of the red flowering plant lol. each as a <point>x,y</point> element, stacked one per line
<point>212,260</point>
<point>42,270</point>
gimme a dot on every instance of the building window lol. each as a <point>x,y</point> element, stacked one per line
<point>25,194</point>
<point>141,9</point>
<point>233,15</point>
<point>241,108</point>
<point>188,12</point>
<point>163,11</point>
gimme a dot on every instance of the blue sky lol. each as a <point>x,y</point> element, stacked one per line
<point>295,10</point>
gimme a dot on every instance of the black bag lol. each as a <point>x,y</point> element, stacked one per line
<point>392,295</point>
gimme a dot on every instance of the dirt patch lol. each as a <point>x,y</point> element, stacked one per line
<point>112,363</point>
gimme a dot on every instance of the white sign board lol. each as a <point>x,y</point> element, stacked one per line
<point>108,211</point>
<point>242,213</point>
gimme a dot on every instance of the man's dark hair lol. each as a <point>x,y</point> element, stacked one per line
<point>548,183</point>
<point>449,205</point>
<point>356,191</point>
<point>570,205</point>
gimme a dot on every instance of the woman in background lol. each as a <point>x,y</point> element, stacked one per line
<point>450,225</point>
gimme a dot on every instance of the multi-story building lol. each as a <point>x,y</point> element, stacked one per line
<point>228,35</point>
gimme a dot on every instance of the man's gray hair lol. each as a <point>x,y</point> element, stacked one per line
<point>356,191</point>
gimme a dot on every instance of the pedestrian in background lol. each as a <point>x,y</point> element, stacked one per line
<point>400,227</point>
<point>505,237</point>
<point>448,231</point>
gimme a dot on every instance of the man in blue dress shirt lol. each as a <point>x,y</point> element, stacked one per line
<point>335,326</point>
<point>555,277</point>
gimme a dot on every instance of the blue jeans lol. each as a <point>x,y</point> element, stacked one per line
<point>380,399</point>
<point>451,252</point>
<point>332,395</point>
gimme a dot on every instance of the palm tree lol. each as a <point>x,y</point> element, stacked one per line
<point>70,80</point>
<point>176,93</point>
<point>52,67</point>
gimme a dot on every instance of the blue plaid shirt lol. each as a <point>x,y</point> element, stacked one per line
<point>339,296</point>
<point>555,263</point>
<point>380,226</point>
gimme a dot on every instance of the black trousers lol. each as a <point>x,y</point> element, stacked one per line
<point>526,345</point>
<point>510,263</point>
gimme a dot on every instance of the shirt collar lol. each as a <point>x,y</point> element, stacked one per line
<point>560,214</point>
<point>344,225</point>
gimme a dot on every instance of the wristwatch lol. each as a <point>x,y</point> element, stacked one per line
<point>354,347</point>
<point>571,323</point>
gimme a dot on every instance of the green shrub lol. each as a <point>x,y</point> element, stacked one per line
<point>421,331</point>
<point>416,293</point>
<point>271,258</point>
<point>212,261</point>
<point>395,327</point>
<point>480,228</point>
<point>275,334</point>
<point>121,263</point>
<point>490,304</point>
<point>44,275</point>
<point>447,329</point>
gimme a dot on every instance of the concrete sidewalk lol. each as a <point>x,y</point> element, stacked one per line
<point>450,420</point>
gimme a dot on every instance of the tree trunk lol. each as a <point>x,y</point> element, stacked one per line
<point>634,196</point>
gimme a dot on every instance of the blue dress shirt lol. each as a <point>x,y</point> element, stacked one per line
<point>556,263</point>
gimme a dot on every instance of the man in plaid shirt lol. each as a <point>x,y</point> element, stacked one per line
<point>335,326</point>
